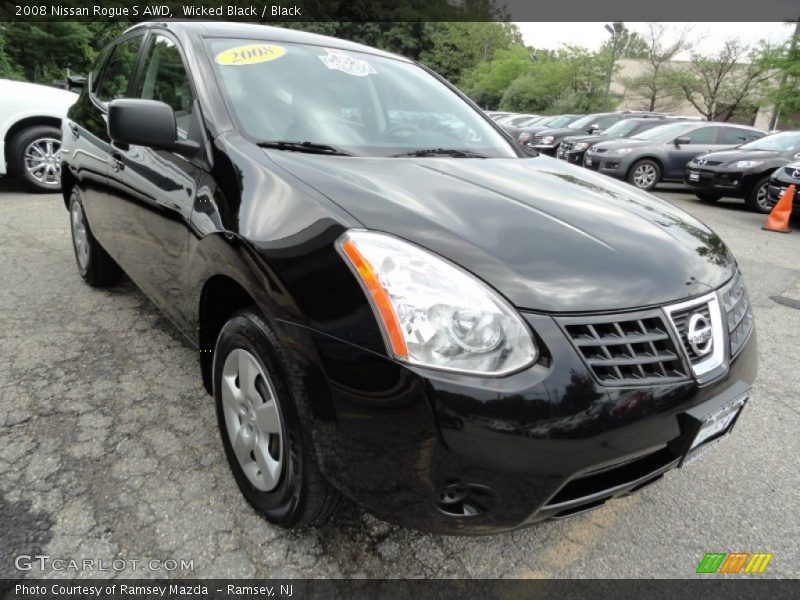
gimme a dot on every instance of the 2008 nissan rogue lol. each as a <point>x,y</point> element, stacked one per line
<point>390,299</point>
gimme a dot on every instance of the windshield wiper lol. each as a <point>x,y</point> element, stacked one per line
<point>441,152</point>
<point>309,147</point>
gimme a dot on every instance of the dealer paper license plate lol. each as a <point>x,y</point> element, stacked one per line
<point>588,161</point>
<point>713,426</point>
<point>694,176</point>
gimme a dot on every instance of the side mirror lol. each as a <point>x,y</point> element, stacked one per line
<point>147,123</point>
<point>680,141</point>
<point>594,128</point>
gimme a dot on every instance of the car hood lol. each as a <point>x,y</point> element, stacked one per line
<point>532,128</point>
<point>625,143</point>
<point>561,131</point>
<point>550,236</point>
<point>726,156</point>
<point>587,138</point>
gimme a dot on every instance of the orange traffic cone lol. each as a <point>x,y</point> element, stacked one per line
<point>778,219</point>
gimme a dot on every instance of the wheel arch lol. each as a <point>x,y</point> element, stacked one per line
<point>220,297</point>
<point>28,122</point>
<point>652,157</point>
<point>68,181</point>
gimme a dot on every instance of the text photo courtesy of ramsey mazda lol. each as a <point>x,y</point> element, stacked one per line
<point>411,294</point>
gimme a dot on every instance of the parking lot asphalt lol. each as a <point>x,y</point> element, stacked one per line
<point>110,450</point>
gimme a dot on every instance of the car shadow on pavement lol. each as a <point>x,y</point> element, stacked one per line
<point>12,186</point>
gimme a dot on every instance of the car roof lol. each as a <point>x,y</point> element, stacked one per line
<point>258,31</point>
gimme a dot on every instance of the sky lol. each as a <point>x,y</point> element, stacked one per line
<point>708,37</point>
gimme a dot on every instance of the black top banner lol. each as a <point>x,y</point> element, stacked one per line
<point>277,11</point>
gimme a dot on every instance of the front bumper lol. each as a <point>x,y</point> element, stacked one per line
<point>571,156</point>
<point>549,150</point>
<point>542,443</point>
<point>734,184</point>
<point>613,166</point>
<point>777,188</point>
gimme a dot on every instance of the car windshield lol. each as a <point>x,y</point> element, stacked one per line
<point>562,121</point>
<point>664,132</point>
<point>353,103</point>
<point>518,120</point>
<point>622,129</point>
<point>583,123</point>
<point>777,142</point>
<point>538,121</point>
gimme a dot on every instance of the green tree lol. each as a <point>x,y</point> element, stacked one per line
<point>722,84</point>
<point>568,80</point>
<point>487,81</point>
<point>43,51</point>
<point>455,47</point>
<point>785,95</point>
<point>652,89</point>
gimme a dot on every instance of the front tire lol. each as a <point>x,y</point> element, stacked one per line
<point>644,174</point>
<point>263,418</point>
<point>758,199</point>
<point>96,267</point>
<point>34,158</point>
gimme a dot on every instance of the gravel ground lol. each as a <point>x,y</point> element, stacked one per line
<point>109,444</point>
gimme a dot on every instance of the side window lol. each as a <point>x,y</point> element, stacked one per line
<point>734,135</point>
<point>119,70</point>
<point>704,135</point>
<point>94,74</point>
<point>165,79</point>
<point>605,122</point>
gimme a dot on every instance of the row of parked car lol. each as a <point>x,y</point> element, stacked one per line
<point>715,160</point>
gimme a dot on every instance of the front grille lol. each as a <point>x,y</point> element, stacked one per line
<point>790,171</point>
<point>681,320</point>
<point>537,139</point>
<point>626,349</point>
<point>738,313</point>
<point>709,163</point>
<point>567,146</point>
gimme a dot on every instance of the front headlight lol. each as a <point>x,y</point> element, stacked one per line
<point>747,164</point>
<point>621,151</point>
<point>580,146</point>
<point>433,313</point>
<point>548,139</point>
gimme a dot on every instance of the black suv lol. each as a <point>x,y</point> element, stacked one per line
<point>743,172</point>
<point>573,148</point>
<point>548,140</point>
<point>527,135</point>
<point>389,298</point>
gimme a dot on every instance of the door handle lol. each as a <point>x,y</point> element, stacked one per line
<point>115,160</point>
<point>76,133</point>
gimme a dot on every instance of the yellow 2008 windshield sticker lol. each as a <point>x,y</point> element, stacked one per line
<point>250,54</point>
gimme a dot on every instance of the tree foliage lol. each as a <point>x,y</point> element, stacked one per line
<point>568,80</point>
<point>721,84</point>
<point>653,88</point>
<point>785,94</point>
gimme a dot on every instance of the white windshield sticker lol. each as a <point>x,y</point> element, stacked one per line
<point>339,61</point>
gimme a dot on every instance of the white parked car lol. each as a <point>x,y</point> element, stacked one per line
<point>30,132</point>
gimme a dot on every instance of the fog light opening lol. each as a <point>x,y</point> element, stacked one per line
<point>458,499</point>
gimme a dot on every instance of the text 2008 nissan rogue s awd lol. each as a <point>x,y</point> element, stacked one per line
<point>391,299</point>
